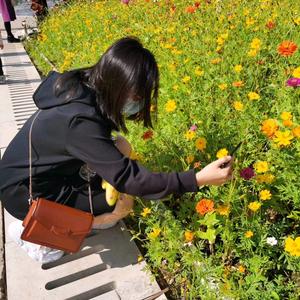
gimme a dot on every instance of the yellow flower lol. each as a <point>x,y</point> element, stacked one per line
<point>176,51</point>
<point>252,52</point>
<point>283,138</point>
<point>238,105</point>
<point>296,72</point>
<point>265,178</point>
<point>255,44</point>
<point>253,96</point>
<point>198,71</point>
<point>223,210</point>
<point>154,233</point>
<point>216,61</point>
<point>254,206</point>
<point>296,131</point>
<point>249,234</point>
<point>285,116</point>
<point>186,79</point>
<point>189,236</point>
<point>261,166</point>
<point>292,246</point>
<point>222,152</point>
<point>223,86</point>
<point>190,158</point>
<point>170,106</point>
<point>238,68</point>
<point>297,21</point>
<point>200,144</point>
<point>241,269</point>
<point>220,41</point>
<point>189,135</point>
<point>250,21</point>
<point>146,211</point>
<point>265,195</point>
<point>175,87</point>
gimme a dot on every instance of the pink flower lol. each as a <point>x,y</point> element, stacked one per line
<point>293,82</point>
<point>125,1</point>
<point>247,173</point>
<point>193,127</point>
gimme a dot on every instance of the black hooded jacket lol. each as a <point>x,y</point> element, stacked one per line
<point>67,135</point>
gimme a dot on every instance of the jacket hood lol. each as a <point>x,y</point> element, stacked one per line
<point>44,97</point>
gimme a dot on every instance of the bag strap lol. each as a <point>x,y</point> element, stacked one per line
<point>30,169</point>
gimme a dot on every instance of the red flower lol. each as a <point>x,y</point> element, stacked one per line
<point>204,206</point>
<point>287,48</point>
<point>147,135</point>
<point>271,25</point>
<point>197,4</point>
<point>247,173</point>
<point>191,9</point>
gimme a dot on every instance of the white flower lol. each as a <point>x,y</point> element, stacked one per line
<point>272,241</point>
<point>188,244</point>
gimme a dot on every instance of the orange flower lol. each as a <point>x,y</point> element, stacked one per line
<point>191,9</point>
<point>271,25</point>
<point>204,206</point>
<point>197,164</point>
<point>288,123</point>
<point>296,132</point>
<point>287,48</point>
<point>238,83</point>
<point>189,236</point>
<point>269,127</point>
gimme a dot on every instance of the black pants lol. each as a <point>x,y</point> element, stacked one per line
<point>15,200</point>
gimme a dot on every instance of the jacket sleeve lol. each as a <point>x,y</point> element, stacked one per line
<point>89,142</point>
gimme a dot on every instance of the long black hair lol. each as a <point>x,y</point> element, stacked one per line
<point>126,70</point>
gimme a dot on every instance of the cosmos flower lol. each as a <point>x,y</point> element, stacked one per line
<point>287,48</point>
<point>204,206</point>
<point>247,173</point>
<point>249,234</point>
<point>293,82</point>
<point>254,206</point>
<point>271,241</point>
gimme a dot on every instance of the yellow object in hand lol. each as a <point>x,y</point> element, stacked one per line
<point>111,194</point>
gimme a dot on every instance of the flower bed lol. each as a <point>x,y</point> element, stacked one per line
<point>230,72</point>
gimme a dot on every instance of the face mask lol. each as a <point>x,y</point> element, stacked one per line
<point>132,107</point>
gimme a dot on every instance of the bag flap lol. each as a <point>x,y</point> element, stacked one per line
<point>62,218</point>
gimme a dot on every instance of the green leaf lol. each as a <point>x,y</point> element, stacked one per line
<point>209,235</point>
<point>209,220</point>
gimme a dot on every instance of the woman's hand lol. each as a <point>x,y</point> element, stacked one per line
<point>214,174</point>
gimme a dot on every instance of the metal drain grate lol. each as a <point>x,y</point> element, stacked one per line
<point>19,86</point>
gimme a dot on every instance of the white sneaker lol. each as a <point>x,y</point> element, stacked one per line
<point>38,253</point>
<point>2,79</point>
<point>104,226</point>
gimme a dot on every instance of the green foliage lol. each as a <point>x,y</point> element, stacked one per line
<point>199,50</point>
